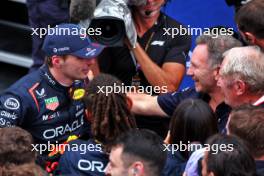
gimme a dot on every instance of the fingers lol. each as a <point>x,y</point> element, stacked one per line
<point>90,75</point>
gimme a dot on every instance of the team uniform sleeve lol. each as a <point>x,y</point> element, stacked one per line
<point>11,110</point>
<point>64,166</point>
<point>168,102</point>
<point>178,49</point>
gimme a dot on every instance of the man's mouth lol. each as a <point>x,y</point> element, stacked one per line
<point>151,7</point>
<point>195,79</point>
<point>85,71</point>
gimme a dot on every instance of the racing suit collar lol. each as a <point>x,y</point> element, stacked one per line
<point>50,79</point>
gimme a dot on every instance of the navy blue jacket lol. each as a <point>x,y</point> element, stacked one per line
<point>175,164</point>
<point>88,160</point>
<point>260,167</point>
<point>169,102</point>
<point>42,106</point>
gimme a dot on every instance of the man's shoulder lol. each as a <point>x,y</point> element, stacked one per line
<point>188,92</point>
<point>175,29</point>
<point>81,156</point>
<point>15,102</point>
<point>85,149</point>
<point>168,102</point>
<point>26,86</point>
<point>171,21</point>
<point>26,82</point>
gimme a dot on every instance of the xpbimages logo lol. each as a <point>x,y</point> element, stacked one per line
<point>82,148</point>
<point>192,31</point>
<point>131,89</point>
<point>191,147</point>
<point>42,32</point>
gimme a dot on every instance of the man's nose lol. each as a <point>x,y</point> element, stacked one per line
<point>219,82</point>
<point>189,71</point>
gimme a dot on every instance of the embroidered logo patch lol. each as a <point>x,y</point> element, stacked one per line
<point>12,103</point>
<point>41,93</point>
<point>52,103</point>
<point>78,94</point>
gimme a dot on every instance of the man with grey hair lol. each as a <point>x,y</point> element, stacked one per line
<point>205,63</point>
<point>241,76</point>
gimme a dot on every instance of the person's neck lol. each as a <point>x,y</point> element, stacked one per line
<point>251,98</point>
<point>60,78</point>
<point>260,43</point>
<point>217,98</point>
<point>143,24</point>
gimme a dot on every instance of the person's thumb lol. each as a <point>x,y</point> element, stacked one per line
<point>90,75</point>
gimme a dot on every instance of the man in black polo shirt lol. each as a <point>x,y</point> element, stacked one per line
<point>158,59</point>
<point>205,64</point>
<point>156,62</point>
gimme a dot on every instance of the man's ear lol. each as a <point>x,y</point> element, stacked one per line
<point>137,169</point>
<point>250,38</point>
<point>216,73</point>
<point>56,60</point>
<point>129,102</point>
<point>240,87</point>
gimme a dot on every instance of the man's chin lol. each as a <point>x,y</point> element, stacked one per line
<point>81,77</point>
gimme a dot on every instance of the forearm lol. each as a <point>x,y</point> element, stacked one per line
<point>145,105</point>
<point>155,75</point>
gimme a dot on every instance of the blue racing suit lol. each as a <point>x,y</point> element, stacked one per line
<point>43,107</point>
<point>89,159</point>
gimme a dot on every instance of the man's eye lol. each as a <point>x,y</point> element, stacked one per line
<point>193,65</point>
